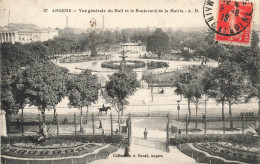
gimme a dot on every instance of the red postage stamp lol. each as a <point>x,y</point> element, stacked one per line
<point>231,20</point>
<point>234,22</point>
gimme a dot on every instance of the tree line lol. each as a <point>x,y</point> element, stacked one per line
<point>235,80</point>
<point>28,78</point>
<point>156,40</point>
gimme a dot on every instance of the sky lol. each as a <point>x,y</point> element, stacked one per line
<point>32,11</point>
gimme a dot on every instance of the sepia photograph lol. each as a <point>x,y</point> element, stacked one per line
<point>130,81</point>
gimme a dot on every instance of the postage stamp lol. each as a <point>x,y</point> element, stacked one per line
<point>232,20</point>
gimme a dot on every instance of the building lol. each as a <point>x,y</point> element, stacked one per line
<point>131,47</point>
<point>25,33</point>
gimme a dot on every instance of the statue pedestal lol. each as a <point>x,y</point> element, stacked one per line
<point>3,131</point>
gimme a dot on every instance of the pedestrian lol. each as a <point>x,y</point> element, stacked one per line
<point>178,107</point>
<point>126,154</point>
<point>17,123</point>
<point>65,121</point>
<point>100,125</point>
<point>145,133</point>
<point>179,131</point>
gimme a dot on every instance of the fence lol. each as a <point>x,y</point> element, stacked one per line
<point>216,125</point>
<point>151,143</point>
<point>73,124</point>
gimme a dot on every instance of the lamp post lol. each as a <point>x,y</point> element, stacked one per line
<point>178,108</point>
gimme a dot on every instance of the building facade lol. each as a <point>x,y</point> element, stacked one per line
<point>25,33</point>
<point>131,47</point>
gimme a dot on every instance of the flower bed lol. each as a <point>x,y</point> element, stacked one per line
<point>46,152</point>
<point>86,158</point>
<point>55,147</point>
<point>216,152</point>
<point>230,151</point>
<point>112,64</point>
<point>237,147</point>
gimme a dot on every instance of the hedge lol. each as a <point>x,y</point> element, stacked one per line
<point>232,138</point>
<point>59,139</point>
<point>110,64</point>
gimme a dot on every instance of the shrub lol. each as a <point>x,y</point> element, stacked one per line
<point>59,139</point>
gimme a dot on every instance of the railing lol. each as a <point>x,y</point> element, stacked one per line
<point>214,125</point>
<point>156,143</point>
<point>73,124</point>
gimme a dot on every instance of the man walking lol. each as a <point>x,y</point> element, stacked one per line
<point>145,134</point>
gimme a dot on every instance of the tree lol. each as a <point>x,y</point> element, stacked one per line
<point>248,60</point>
<point>189,84</point>
<point>15,55</point>
<point>158,42</point>
<point>45,85</point>
<point>12,92</point>
<point>230,84</point>
<point>149,77</point>
<point>206,81</point>
<point>120,86</point>
<point>13,58</point>
<point>125,35</point>
<point>82,91</point>
<point>38,49</point>
<point>183,88</point>
<point>197,90</point>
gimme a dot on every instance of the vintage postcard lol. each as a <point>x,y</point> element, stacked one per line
<point>130,81</point>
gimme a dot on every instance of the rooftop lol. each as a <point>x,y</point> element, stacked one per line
<point>25,27</point>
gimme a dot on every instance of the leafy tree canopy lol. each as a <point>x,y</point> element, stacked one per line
<point>83,89</point>
<point>45,84</point>
<point>120,86</point>
<point>158,42</point>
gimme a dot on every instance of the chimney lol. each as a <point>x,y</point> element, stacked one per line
<point>103,22</point>
<point>67,22</point>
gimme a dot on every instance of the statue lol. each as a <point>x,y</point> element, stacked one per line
<point>93,37</point>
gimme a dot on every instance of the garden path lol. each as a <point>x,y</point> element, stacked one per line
<point>175,156</point>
